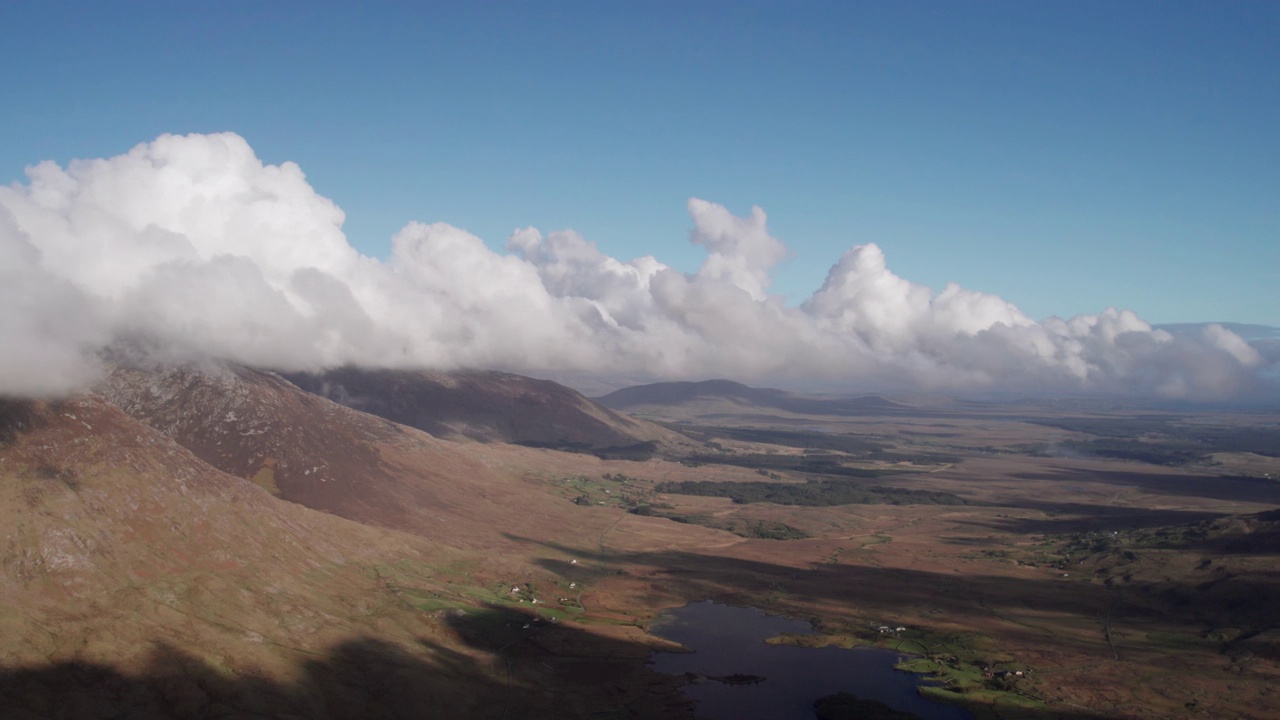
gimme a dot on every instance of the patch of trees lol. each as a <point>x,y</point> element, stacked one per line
<point>1162,435</point>
<point>652,510</point>
<point>1162,453</point>
<point>811,493</point>
<point>1263,441</point>
<point>770,530</point>
<point>914,458</point>
<point>638,451</point>
<point>1110,427</point>
<point>861,447</point>
<point>813,464</point>
<point>852,444</point>
<point>754,529</point>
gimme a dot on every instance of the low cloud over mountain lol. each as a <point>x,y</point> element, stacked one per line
<point>191,246</point>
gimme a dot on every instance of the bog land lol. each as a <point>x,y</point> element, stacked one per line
<point>1044,559</point>
<point>196,544</point>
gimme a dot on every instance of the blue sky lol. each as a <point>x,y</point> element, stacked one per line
<point>1066,156</point>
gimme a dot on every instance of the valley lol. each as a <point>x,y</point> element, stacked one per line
<point>221,541</point>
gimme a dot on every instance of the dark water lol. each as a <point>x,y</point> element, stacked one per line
<point>729,640</point>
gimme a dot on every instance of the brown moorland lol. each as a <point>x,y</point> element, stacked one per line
<point>409,564</point>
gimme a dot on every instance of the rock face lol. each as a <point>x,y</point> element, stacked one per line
<point>490,407</point>
<point>259,427</point>
<point>249,423</point>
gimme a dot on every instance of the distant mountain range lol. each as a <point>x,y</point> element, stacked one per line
<point>724,397</point>
<point>490,406</point>
<point>719,397</point>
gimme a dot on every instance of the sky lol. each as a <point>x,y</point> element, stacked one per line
<point>1048,160</point>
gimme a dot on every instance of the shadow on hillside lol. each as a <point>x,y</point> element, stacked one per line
<point>1217,487</point>
<point>528,666</point>
<point>1210,533</point>
<point>530,669</point>
<point>736,580</point>
<point>1068,518</point>
<point>17,416</point>
<point>358,679</point>
<point>362,678</point>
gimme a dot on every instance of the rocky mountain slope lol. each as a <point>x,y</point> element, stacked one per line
<point>491,407</point>
<point>309,450</point>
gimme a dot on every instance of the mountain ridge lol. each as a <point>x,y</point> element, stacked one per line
<point>138,579</point>
<point>720,396</point>
<point>309,450</point>
<point>491,406</point>
<point>117,516</point>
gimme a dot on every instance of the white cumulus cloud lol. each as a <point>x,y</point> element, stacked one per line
<point>192,247</point>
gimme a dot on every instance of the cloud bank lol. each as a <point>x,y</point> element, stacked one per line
<point>191,246</point>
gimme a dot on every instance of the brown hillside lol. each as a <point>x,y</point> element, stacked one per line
<point>491,407</point>
<point>125,551</point>
<point>317,453</point>
<point>138,581</point>
<point>720,398</point>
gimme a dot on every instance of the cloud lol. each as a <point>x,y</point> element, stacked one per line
<point>191,246</point>
<point>739,250</point>
<point>49,329</point>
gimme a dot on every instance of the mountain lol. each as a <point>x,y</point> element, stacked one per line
<point>725,397</point>
<point>681,393</point>
<point>224,544</point>
<point>491,406</point>
<point>138,581</point>
<point>309,450</point>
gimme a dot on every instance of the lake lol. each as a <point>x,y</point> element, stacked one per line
<point>729,641</point>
